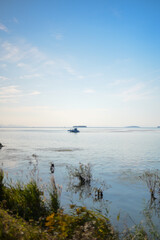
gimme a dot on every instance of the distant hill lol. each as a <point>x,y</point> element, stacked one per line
<point>132,127</point>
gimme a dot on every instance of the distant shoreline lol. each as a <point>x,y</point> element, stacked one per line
<point>79,127</point>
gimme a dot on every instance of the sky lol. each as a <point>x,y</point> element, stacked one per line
<point>79,62</point>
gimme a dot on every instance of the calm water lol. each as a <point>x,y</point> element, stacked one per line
<point>118,157</point>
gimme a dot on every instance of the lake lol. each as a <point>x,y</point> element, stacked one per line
<point>118,156</point>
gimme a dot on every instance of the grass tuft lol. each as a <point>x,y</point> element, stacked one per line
<point>24,200</point>
<point>54,193</point>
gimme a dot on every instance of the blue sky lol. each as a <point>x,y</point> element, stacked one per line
<point>89,62</point>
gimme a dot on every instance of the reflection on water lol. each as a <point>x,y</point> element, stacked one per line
<point>118,157</point>
<point>13,150</point>
<point>130,176</point>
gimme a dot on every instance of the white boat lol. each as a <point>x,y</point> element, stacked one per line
<point>74,130</point>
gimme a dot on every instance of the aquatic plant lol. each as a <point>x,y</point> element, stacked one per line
<point>82,173</point>
<point>137,232</point>
<point>151,214</point>
<point>81,182</point>
<point>152,179</point>
<point>98,193</point>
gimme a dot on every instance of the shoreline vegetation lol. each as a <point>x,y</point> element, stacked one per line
<point>25,213</point>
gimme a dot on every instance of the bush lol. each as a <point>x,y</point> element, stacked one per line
<point>81,224</point>
<point>16,228</point>
<point>25,200</point>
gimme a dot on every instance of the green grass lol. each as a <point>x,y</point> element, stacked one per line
<point>24,200</point>
<point>27,200</point>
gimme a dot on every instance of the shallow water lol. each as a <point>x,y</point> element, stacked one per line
<point>118,157</point>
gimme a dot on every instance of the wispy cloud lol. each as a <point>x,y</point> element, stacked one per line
<point>89,91</point>
<point>21,65</point>
<point>35,93</point>
<point>9,90</point>
<point>3,78</point>
<point>134,93</point>
<point>3,28</point>
<point>70,70</point>
<point>30,76</point>
<point>13,93</point>
<point>11,52</point>
<point>9,93</point>
<point>121,82</point>
<point>73,72</point>
<point>32,60</point>
<point>49,63</point>
<point>25,66</point>
<point>34,52</point>
<point>31,65</point>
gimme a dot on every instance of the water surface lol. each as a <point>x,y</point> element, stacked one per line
<point>118,157</point>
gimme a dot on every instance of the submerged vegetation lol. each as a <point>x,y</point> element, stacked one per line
<point>81,181</point>
<point>26,214</point>
<point>152,179</point>
<point>83,173</point>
